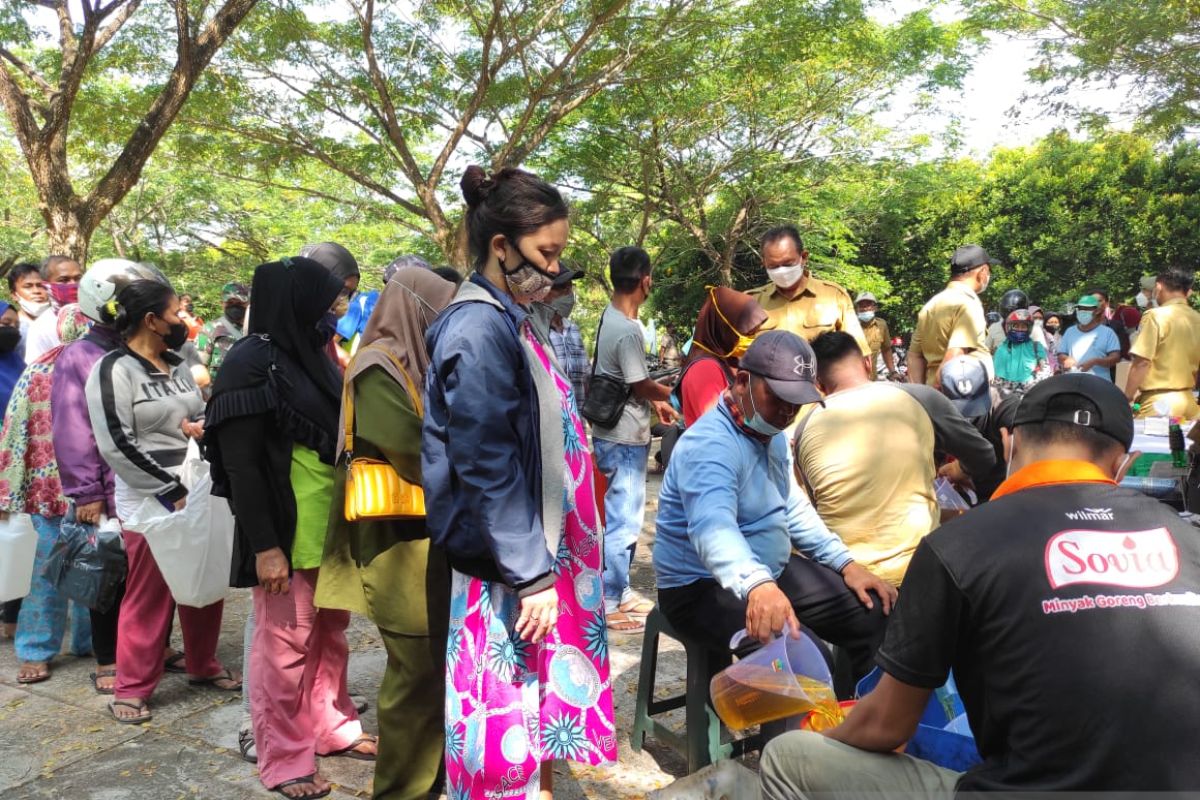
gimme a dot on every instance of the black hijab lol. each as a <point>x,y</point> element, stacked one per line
<point>282,366</point>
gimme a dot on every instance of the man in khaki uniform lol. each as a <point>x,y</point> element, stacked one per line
<point>952,322</point>
<point>796,301</point>
<point>879,337</point>
<point>1166,353</point>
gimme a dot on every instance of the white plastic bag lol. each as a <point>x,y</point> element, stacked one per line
<point>18,544</point>
<point>193,547</point>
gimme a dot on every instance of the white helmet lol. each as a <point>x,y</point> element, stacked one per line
<point>106,278</point>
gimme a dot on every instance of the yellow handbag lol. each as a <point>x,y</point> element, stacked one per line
<point>374,490</point>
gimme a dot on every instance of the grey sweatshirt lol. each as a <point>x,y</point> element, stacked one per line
<point>137,412</point>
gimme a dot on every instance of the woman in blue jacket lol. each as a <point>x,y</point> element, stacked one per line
<point>508,492</point>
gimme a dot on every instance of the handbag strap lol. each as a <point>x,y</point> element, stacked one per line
<point>596,344</point>
<point>348,394</point>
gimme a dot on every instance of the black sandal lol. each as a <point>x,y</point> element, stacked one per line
<point>176,663</point>
<point>247,746</point>
<point>296,782</point>
<point>102,673</point>
<point>136,703</point>
<point>211,681</point>
<point>350,752</point>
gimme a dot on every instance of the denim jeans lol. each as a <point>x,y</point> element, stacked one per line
<point>624,467</point>
<point>44,616</point>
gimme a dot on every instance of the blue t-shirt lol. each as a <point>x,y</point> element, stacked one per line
<point>1087,345</point>
<point>355,320</point>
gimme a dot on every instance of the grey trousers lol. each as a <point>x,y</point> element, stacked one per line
<point>808,766</point>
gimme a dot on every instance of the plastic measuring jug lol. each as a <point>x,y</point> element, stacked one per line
<point>18,543</point>
<point>782,679</point>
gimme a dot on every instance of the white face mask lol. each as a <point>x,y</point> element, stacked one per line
<point>786,277</point>
<point>33,309</point>
<point>1142,300</point>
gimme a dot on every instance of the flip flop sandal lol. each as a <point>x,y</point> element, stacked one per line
<point>104,673</point>
<point>350,752</point>
<point>296,782</point>
<point>211,681</point>
<point>621,622</point>
<point>176,663</point>
<point>137,705</point>
<point>41,676</point>
<point>246,745</point>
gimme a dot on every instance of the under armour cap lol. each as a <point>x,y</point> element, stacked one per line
<point>967,258</point>
<point>865,297</point>
<point>787,363</point>
<point>1079,398</point>
<point>965,381</point>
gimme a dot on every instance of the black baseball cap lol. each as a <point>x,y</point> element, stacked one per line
<point>788,365</point>
<point>967,258</point>
<point>1080,399</point>
<point>565,277</point>
<point>964,380</point>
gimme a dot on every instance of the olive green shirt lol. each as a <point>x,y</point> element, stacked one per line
<point>386,570</point>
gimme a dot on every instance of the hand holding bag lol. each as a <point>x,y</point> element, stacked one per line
<point>87,563</point>
<point>193,547</point>
<point>374,490</point>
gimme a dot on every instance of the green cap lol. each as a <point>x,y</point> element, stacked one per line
<point>1088,300</point>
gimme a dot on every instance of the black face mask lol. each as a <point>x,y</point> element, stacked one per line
<point>9,339</point>
<point>325,329</point>
<point>236,314</point>
<point>176,337</point>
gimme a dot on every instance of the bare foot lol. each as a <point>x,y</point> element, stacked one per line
<point>8,630</point>
<point>33,672</point>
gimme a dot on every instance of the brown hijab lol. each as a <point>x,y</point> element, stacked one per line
<point>714,334</point>
<point>405,310</point>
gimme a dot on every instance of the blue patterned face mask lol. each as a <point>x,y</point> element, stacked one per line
<point>1018,337</point>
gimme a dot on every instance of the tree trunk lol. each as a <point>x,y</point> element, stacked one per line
<point>66,233</point>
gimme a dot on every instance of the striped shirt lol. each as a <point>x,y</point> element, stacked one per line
<point>572,357</point>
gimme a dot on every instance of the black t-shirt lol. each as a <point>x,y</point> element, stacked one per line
<point>1070,615</point>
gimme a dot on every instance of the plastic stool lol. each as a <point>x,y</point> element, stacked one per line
<point>701,742</point>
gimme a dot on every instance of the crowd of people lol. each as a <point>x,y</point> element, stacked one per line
<point>799,495</point>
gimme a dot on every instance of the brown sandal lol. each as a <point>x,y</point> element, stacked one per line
<point>42,675</point>
<point>103,673</point>
<point>136,703</point>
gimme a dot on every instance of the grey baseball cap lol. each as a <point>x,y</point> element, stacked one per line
<point>787,363</point>
<point>965,381</point>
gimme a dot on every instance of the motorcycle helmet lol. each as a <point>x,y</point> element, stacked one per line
<point>105,279</point>
<point>1012,300</point>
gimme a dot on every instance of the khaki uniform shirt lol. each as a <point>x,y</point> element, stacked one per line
<point>953,318</point>
<point>877,334</point>
<point>1170,340</point>
<point>880,500</point>
<point>821,307</point>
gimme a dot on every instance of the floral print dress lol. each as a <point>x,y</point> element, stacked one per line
<point>512,705</point>
<point>29,482</point>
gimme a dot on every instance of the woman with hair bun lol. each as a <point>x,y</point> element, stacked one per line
<point>144,406</point>
<point>508,493</point>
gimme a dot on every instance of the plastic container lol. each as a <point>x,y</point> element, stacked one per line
<point>18,543</point>
<point>786,678</point>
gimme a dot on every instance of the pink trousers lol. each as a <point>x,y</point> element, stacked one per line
<point>145,620</point>
<point>298,698</point>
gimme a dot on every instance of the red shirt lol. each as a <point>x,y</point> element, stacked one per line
<point>701,388</point>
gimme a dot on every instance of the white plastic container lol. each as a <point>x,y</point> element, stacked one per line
<point>18,543</point>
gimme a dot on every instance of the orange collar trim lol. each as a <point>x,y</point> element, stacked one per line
<point>1048,473</point>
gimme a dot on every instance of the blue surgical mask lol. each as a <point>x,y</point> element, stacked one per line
<point>866,316</point>
<point>1085,317</point>
<point>756,422</point>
